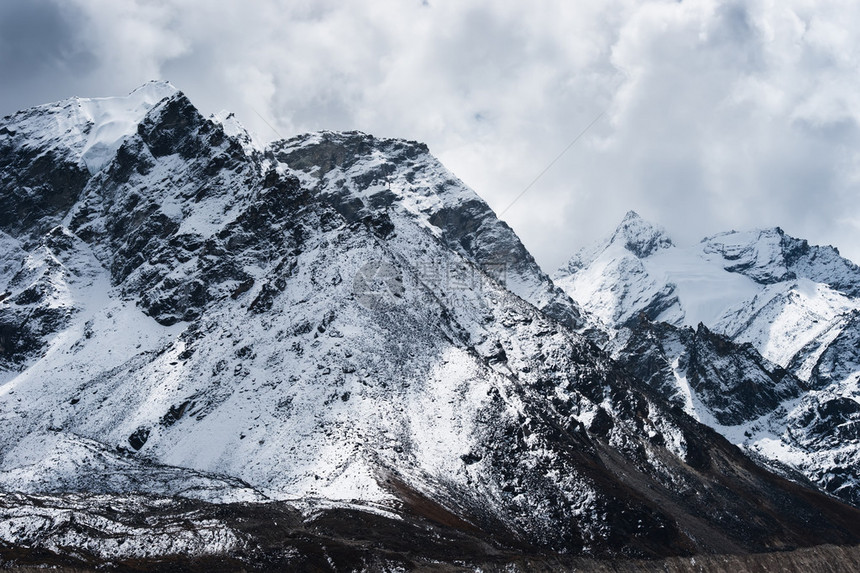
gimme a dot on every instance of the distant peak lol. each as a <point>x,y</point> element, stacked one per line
<point>634,234</point>
<point>639,236</point>
<point>631,216</point>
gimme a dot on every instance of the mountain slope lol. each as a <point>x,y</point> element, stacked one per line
<point>358,174</point>
<point>207,319</point>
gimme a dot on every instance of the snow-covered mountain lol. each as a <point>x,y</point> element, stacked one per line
<point>754,333</point>
<point>330,325</point>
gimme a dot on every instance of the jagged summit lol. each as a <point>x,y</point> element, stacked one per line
<point>89,130</point>
<point>630,216</point>
<point>234,129</point>
<point>639,236</point>
<point>52,151</point>
<point>633,235</point>
<point>636,248</point>
<point>155,89</point>
<point>708,282</point>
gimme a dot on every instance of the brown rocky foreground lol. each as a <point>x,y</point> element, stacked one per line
<point>824,559</point>
<point>131,536</point>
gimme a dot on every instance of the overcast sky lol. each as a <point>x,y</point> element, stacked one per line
<point>717,115</point>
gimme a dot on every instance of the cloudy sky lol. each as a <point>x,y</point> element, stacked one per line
<point>716,114</point>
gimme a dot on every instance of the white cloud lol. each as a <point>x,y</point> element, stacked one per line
<point>719,113</point>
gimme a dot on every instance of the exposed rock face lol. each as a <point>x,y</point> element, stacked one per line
<point>336,320</point>
<point>706,373</point>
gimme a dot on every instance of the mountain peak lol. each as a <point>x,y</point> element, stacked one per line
<point>634,234</point>
<point>770,256</point>
<point>93,128</point>
<point>367,178</point>
<point>159,89</point>
<point>639,236</point>
<point>631,215</point>
<point>233,128</point>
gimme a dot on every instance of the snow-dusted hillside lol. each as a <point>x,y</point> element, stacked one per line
<point>358,174</point>
<point>795,304</point>
<point>333,319</point>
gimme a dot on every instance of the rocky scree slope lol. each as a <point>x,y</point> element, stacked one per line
<point>200,318</point>
<point>753,333</point>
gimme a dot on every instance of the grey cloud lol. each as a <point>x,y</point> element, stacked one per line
<point>720,114</point>
<point>38,36</point>
<point>40,51</point>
